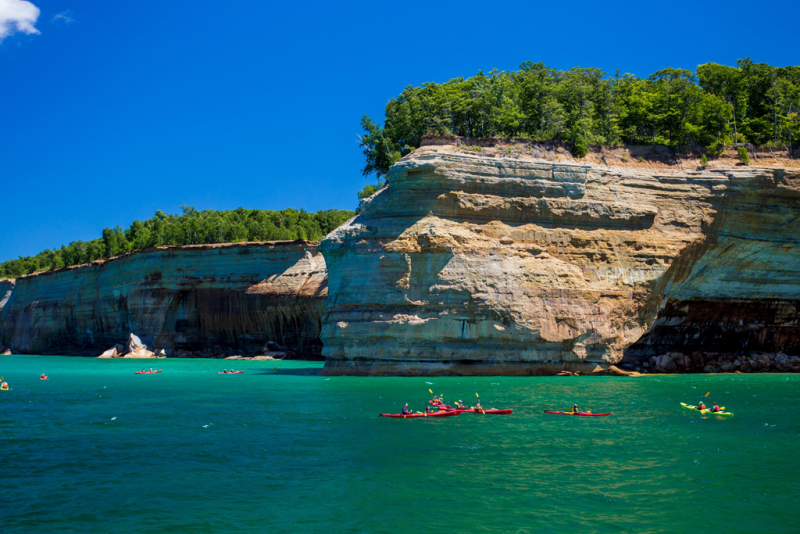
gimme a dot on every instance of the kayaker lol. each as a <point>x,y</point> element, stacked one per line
<point>478,406</point>
<point>460,405</point>
<point>405,409</point>
<point>427,409</point>
<point>701,406</point>
<point>44,376</point>
<point>4,385</point>
<point>715,408</point>
<point>574,409</point>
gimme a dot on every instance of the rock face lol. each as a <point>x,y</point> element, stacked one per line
<point>201,300</point>
<point>467,264</point>
<point>6,288</point>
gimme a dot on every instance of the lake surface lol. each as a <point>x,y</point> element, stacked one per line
<point>280,449</point>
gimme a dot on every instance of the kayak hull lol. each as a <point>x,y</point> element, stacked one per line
<point>413,415</point>
<point>230,373</point>
<point>146,372</point>
<point>579,414</point>
<point>706,411</point>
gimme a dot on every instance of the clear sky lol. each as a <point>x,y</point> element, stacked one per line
<point>114,109</point>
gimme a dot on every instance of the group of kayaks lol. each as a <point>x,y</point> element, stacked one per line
<point>445,410</point>
<point>152,372</point>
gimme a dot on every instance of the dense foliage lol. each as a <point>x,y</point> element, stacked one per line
<point>192,227</point>
<point>714,106</point>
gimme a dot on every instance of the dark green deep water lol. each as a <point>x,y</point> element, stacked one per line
<point>286,451</point>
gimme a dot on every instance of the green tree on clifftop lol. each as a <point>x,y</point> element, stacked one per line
<point>717,105</point>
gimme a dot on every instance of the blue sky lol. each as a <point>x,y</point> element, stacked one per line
<point>112,110</point>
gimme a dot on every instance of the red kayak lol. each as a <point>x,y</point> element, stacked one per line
<point>146,372</point>
<point>493,411</point>
<point>445,406</point>
<point>229,372</point>
<point>582,414</point>
<point>434,414</point>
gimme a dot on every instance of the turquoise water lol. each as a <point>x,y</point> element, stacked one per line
<point>279,449</point>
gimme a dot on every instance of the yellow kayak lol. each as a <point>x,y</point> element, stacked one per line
<point>706,411</point>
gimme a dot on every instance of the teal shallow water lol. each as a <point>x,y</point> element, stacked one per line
<point>191,451</point>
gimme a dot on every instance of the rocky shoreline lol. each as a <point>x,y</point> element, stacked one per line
<point>711,362</point>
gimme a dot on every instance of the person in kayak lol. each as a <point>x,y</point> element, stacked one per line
<point>427,409</point>
<point>574,409</point>
<point>478,405</point>
<point>715,408</point>
<point>460,405</point>
<point>701,406</point>
<point>44,376</point>
<point>405,409</point>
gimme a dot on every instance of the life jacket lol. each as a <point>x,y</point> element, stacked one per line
<point>702,406</point>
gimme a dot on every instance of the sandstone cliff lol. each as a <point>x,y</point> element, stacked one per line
<point>202,300</point>
<point>470,264</point>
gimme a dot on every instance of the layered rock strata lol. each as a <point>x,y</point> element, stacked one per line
<point>467,264</point>
<point>201,300</point>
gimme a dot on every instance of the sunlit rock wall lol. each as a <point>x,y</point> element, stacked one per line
<point>203,300</point>
<point>467,264</point>
<point>737,290</point>
<point>6,288</point>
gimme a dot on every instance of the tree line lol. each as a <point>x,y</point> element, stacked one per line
<point>713,107</point>
<point>189,228</point>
